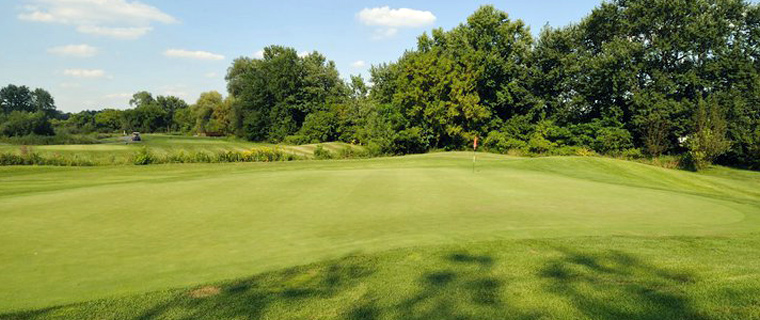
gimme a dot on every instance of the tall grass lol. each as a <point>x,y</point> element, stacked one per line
<point>34,139</point>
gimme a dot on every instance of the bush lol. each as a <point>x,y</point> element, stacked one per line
<point>27,156</point>
<point>612,139</point>
<point>709,139</point>
<point>143,157</point>
<point>320,153</point>
<point>318,127</point>
<point>409,141</point>
<point>501,142</point>
<point>538,144</point>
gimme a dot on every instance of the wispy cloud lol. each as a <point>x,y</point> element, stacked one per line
<point>128,33</point>
<point>74,50</point>
<point>84,73</point>
<point>113,18</point>
<point>198,55</point>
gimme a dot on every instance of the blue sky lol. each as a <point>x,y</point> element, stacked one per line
<point>92,54</point>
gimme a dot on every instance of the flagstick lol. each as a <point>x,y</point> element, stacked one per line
<point>473,160</point>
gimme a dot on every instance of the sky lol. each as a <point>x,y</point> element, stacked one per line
<point>94,54</point>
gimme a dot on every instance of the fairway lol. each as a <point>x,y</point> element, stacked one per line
<point>77,234</point>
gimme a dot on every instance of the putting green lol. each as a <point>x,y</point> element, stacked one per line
<point>76,234</point>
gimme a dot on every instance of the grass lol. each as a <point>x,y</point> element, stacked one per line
<point>115,151</point>
<point>414,237</point>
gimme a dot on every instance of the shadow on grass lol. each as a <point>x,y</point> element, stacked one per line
<point>249,299</point>
<point>616,285</point>
<point>561,283</point>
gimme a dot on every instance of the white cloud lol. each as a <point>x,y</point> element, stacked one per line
<point>37,16</point>
<point>84,73</point>
<point>74,50</point>
<point>390,20</point>
<point>303,53</point>
<point>395,18</point>
<point>359,64</point>
<point>128,33</point>
<point>199,55</point>
<point>259,54</point>
<point>122,19</point>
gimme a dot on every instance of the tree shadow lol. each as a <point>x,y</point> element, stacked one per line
<point>465,288</point>
<point>250,298</point>
<point>616,285</point>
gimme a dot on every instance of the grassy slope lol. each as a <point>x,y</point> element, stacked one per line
<point>76,234</point>
<point>564,278</point>
<point>115,151</point>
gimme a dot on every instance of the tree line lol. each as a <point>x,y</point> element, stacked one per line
<point>649,77</point>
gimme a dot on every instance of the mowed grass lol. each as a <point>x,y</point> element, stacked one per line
<point>414,237</point>
<point>117,151</point>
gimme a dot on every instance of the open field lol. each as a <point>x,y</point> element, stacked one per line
<point>116,151</point>
<point>425,238</point>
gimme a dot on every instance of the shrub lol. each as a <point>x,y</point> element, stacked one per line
<point>410,140</point>
<point>612,139</point>
<point>501,142</point>
<point>320,153</point>
<point>538,144</point>
<point>709,139</point>
<point>143,157</point>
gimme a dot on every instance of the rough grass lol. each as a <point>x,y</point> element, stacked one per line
<point>115,151</point>
<point>538,238</point>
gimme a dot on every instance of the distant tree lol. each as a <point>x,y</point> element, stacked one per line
<point>109,120</point>
<point>203,111</point>
<point>43,101</point>
<point>16,98</point>
<point>141,98</point>
<point>20,123</point>
<point>274,95</point>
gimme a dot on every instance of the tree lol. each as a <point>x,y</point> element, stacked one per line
<point>709,138</point>
<point>109,120</point>
<point>20,123</point>
<point>274,95</point>
<point>16,98</point>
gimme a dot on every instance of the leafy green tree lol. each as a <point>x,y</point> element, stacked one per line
<point>274,95</point>
<point>109,120</point>
<point>709,138</point>
<point>20,123</point>
<point>16,98</point>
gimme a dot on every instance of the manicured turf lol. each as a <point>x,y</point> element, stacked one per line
<point>76,234</point>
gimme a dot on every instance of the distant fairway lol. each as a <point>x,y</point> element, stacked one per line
<point>117,151</point>
<point>77,234</point>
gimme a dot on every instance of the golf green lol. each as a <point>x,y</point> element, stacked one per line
<point>76,234</point>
